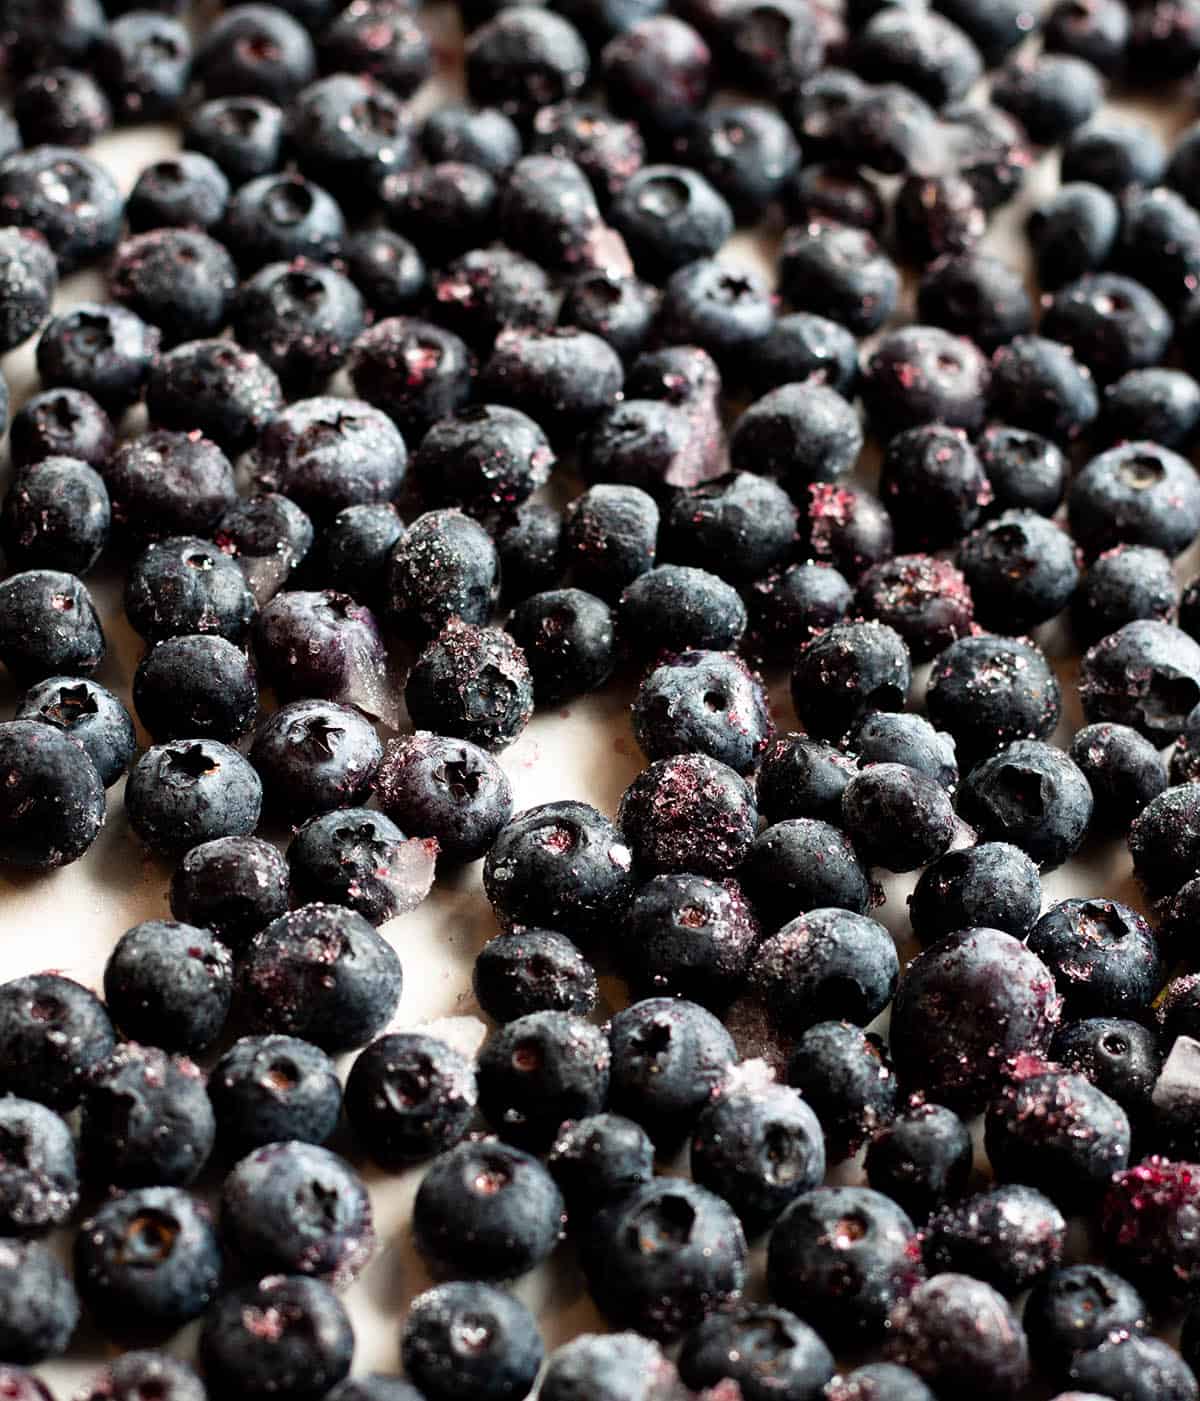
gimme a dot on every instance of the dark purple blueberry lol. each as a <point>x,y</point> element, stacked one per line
<point>190,791</point>
<point>53,1035</point>
<point>1008,1236</point>
<point>1138,493</point>
<point>1118,154</point>
<point>1077,1308</point>
<point>1024,470</point>
<point>166,483</point>
<point>504,1363</point>
<point>846,671</point>
<point>840,272</point>
<point>723,308</point>
<point>471,683</point>
<point>548,212</point>
<point>387,269</point>
<point>608,1367</point>
<point>214,387</point>
<point>923,598</point>
<point>314,756</point>
<point>846,1255</point>
<point>269,536</point>
<point>1032,795</point>
<point>610,537</point>
<point>803,864</point>
<point>989,691</point>
<point>747,152</point>
<point>568,639</point>
<point>301,318</point>
<point>268,1089</point>
<point>242,135</point>
<point>321,973</point>
<point>36,37</point>
<point>61,423</point>
<point>896,737</point>
<point>1022,570</point>
<point>525,59</point>
<point>922,50</point>
<point>619,309</point>
<point>1160,244</point>
<point>481,136</point>
<point>659,72</point>
<point>670,215</point>
<point>835,195</point>
<point>488,290</point>
<point>196,686</point>
<point>804,347</point>
<point>844,526</point>
<point>415,371</point>
<point>61,107</point>
<point>48,626</point>
<point>147,1263</point>
<point>922,375</point>
<point>1124,769</point>
<point>306,1350</point>
<point>39,1309</point>
<point>485,1210</point>
<point>966,1008</point>
<point>322,645</point>
<point>1145,675</point>
<point>446,209</point>
<point>187,191</point>
<point>790,607</point>
<point>379,39</point>
<point>1165,840</point>
<point>608,150</point>
<point>127,1375</point>
<point>1112,323</point>
<point>275,218</point>
<point>1158,404</point>
<point>186,585</point>
<point>39,1183</point>
<point>973,294</point>
<point>817,108</point>
<point>802,777</point>
<point>234,886</point>
<point>800,433</point>
<point>890,130</point>
<point>448,789</point>
<point>1074,231</point>
<point>67,197</point>
<point>1037,384</point>
<point>146,1120</point>
<point>898,817</point>
<point>104,350</point>
<point>688,813</point>
<point>562,377</point>
<point>90,714</point>
<point>484,456</point>
<point>961,1336</point>
<point>30,279</point>
<point>922,1159</point>
<point>1104,957</point>
<point>143,60</point>
<point>703,702</point>
<point>361,859</point>
<point>600,1159</point>
<point>169,985</point>
<point>992,885</point>
<point>533,970</point>
<point>255,50</point>
<point>55,515</point>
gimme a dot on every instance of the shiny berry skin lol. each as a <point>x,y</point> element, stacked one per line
<point>993,885</point>
<point>267,1089</point>
<point>921,1160</point>
<point>82,227</point>
<point>688,813</point>
<point>767,1352</point>
<point>1022,570</point>
<point>839,272</point>
<point>54,1034</point>
<point>56,515</point>
<point>990,691</point>
<point>568,639</point>
<point>677,608</point>
<point>103,349</point>
<point>923,374</point>
<point>439,1350</point>
<point>847,671</point>
<point>973,294</point>
<point>409,1097</point>
<point>61,423</point>
<point>169,985</point>
<point>321,645</point>
<point>61,107</point>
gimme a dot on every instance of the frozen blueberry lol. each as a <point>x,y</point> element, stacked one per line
<point>169,985</point>
<point>1104,957</point>
<point>923,598</point>
<point>522,61</point>
<point>688,813</point>
<point>39,1309</point>
<point>670,215</point>
<point>1077,1308</point>
<point>314,756</point>
<point>533,970</point>
<point>803,346</point>
<point>766,1351</point>
<point>351,553</point>
<point>1160,244</point>
<point>39,1182</point>
<point>922,1159</point>
<point>470,1341</point>
<point>168,483</point>
<point>894,737</point>
<point>304,1352</point>
<point>297,1209</point>
<point>1022,570</point>
<point>664,1258</point>
<point>1050,95</point>
<point>53,1034</point>
<point>972,294</point>
<point>242,135</point>
<point>143,61</point>
<point>409,1097</point>
<point>568,639</point>
<point>486,1210</point>
<point>186,585</point>
<point>1112,323</point>
<point>703,702</point>
<point>1008,1236</point>
<point>1124,584</point>
<point>847,671</point>
<point>29,276</point>
<point>53,806</point>
<point>1139,493</point>
<point>188,191</point>
<point>836,194</point>
<point>921,374</point>
<point>255,50</point>
<point>105,350</point>
<point>189,791</point>
<point>275,218</point>
<point>381,41</point>
<point>488,290</point>
<point>1135,1367</point>
<point>803,777</point>
<point>1024,470</point>
<point>840,272</point>
<point>1033,795</point>
<point>146,1120</point>
<point>481,136</point>
<point>847,1078</point>
<point>747,151</point>
<point>1156,404</point>
<point>800,433</point>
<point>180,280</point>
<point>1074,231</point>
<point>267,1089</point>
<point>1145,675</point>
<point>361,859</point>
<point>321,644</point>
<point>61,107</point>
<point>1116,154</point>
<point>198,687</point>
<point>126,1375</point>
<point>561,377</point>
<point>608,1367</point>
<point>269,536</point>
<point>1038,385</point>
<point>790,607</point>
<point>992,885</point>
<point>448,208</point>
<point>619,309</point>
<point>387,269</point>
<point>67,197</point>
<point>659,71</point>
<point>61,423</point>
<point>321,973</point>
<point>803,864</point>
<point>600,1159</point>
<point>48,625</point>
<point>484,456</point>
<point>898,817</point>
<point>846,527</point>
<point>471,683</point>
<point>724,309</point>
<point>443,567</point>
<point>846,1256</point>
<point>675,608</point>
<point>988,692</point>
<point>1163,839</point>
<point>301,318</point>
<point>216,387</point>
<point>56,515</point>
<point>887,128</point>
<point>147,1263</point>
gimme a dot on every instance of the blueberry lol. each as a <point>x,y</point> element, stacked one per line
<point>993,885</point>
<point>965,1008</point>
<point>275,218</point>
<point>817,107</point>
<point>1163,839</point>
<point>387,269</point>
<point>759,1147</point>
<point>669,216</point>
<point>48,625</point>
<point>1144,1225</point>
<point>351,553</point>
<point>652,445</point>
<point>1024,470</point>
<point>184,585</point>
<point>1126,583</point>
<point>124,1377</point>
<point>922,1159</point>
<point>1038,385</point>
<point>846,1256</point>
<point>1139,1368</point>
<point>847,1078</point>
<point>722,308</point>
<point>409,1097</point>
<point>444,566</point>
<point>147,1262</point>
<point>920,374</point>
<point>242,135</point>
<point>374,1386</point>
<point>1121,1058</point>
<point>688,813</point>
<point>851,669</point>
<point>608,150</point>
<point>746,151</point>
<point>301,318</point>
<point>894,737</point>
<point>188,191</point>
<point>878,1380</point>
<point>269,536</point>
<point>485,456</point>
<point>802,777</point>
<point>1008,1237</point>
<point>449,208</point>
<point>379,42</point>
<point>1050,95</point>
<point>485,1210</point>
<point>836,194</point>
<point>1022,570</point>
<point>960,1335</point>
<point>1156,404</point>
<point>471,683</point>
<point>768,1352</point>
<point>888,129</point>
<point>548,212</point>
<point>168,484</point>
<point>143,61</point>
<point>198,686</point>
<point>1117,154</point>
<point>1175,917</point>
<point>607,1367</point>
<point>321,973</point>
<point>561,377</point>
<point>1145,675</point>
<point>1097,32</point>
<point>189,791</point>
<point>1077,1308</point>
<point>169,985</point>
<point>215,386</point>
<point>297,1209</point>
<point>792,606</point>
<point>471,1341</point>
<point>559,866</point>
<point>320,644</point>
<point>619,309</point>
<point>539,1071</point>
<point>988,692</point>
<point>56,515</point>
<point>39,1182</point>
<point>53,804</point>
<point>800,433</point>
<point>1075,229</point>
<point>306,1351</point>
<point>840,272</point>
<point>600,1159</point>
<point>533,970</point>
<point>568,639</point>
<point>67,197</point>
<point>146,1120</point>
<point>481,136</point>
<point>803,346</point>
<point>803,864</point>
<point>664,1258</point>
<point>1138,493</point>
<point>1033,795</point>
<point>972,294</point>
<point>35,37</point>
<point>61,423</point>
<point>61,107</point>
<point>104,350</point>
<point>1104,957</point>
<point>267,1089</point>
<point>924,51</point>
<point>255,50</point>
<point>361,859</point>
<point>658,71</point>
<point>1112,323</point>
<point>30,274</point>
<point>522,61</point>
<point>937,216</point>
<point>39,1309</point>
<point>703,702</point>
<point>447,789</point>
<point>676,608</point>
<point>53,1034</point>
<point>1160,244</point>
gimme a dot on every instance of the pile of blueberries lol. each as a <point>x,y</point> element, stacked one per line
<point>577,442</point>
